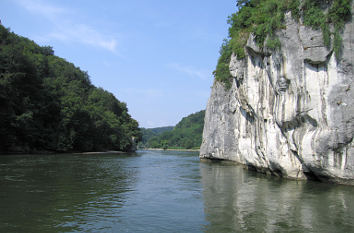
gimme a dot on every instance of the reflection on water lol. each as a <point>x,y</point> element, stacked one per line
<point>237,201</point>
<point>160,191</point>
<point>61,193</point>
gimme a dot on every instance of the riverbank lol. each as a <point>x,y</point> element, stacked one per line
<point>100,152</point>
<point>161,149</point>
<point>71,152</point>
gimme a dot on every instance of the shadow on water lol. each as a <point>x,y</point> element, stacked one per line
<point>237,200</point>
<point>62,193</point>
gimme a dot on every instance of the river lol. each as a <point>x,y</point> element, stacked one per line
<point>161,191</point>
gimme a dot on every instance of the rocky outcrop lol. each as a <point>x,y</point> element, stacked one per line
<point>289,112</point>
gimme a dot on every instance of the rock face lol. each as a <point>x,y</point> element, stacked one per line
<point>289,112</point>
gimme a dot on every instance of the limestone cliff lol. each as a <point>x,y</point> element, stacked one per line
<point>289,112</point>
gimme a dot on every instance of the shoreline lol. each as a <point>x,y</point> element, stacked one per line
<point>99,152</point>
<point>92,152</point>
<point>161,149</point>
<point>63,153</point>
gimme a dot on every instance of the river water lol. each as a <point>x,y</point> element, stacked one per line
<point>160,191</point>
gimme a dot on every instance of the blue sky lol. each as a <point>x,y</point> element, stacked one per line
<point>155,55</point>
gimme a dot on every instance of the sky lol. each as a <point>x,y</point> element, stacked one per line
<point>155,55</point>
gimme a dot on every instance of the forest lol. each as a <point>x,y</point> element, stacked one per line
<point>47,104</point>
<point>187,134</point>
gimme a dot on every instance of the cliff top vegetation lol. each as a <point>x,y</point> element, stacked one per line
<point>263,18</point>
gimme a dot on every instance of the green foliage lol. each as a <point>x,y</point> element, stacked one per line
<point>294,8</point>
<point>315,17</point>
<point>222,73</point>
<point>186,134</point>
<point>263,18</point>
<point>164,144</point>
<point>273,43</point>
<point>337,44</point>
<point>147,134</point>
<point>48,104</point>
<point>338,14</point>
<point>313,14</point>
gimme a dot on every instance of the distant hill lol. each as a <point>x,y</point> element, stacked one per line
<point>187,134</point>
<point>148,133</point>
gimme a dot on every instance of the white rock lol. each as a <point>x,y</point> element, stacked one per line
<point>288,112</point>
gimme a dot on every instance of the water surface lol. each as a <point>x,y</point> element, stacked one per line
<point>161,191</point>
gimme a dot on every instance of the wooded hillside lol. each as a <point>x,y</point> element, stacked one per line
<point>187,134</point>
<point>48,104</point>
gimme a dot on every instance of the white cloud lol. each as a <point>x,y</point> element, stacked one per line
<point>38,7</point>
<point>82,33</point>
<point>68,30</point>
<point>191,71</point>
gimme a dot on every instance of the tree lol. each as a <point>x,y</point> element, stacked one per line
<point>47,103</point>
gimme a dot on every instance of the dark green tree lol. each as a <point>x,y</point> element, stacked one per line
<point>48,104</point>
